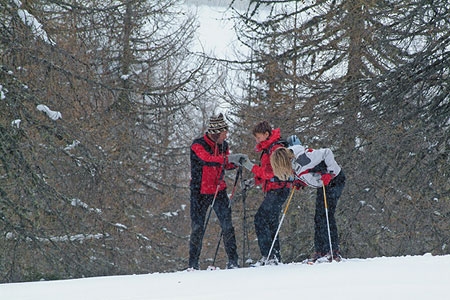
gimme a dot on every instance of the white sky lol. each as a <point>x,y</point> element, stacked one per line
<point>216,33</point>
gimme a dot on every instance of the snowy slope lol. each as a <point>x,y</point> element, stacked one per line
<point>409,277</point>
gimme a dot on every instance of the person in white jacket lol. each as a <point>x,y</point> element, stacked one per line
<point>315,168</point>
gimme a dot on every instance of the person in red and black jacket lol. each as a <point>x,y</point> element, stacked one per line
<point>276,191</point>
<point>209,160</point>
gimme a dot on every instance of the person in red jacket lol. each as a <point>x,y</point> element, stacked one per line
<point>209,160</point>
<point>275,192</point>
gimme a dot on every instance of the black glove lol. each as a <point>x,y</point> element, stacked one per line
<point>298,184</point>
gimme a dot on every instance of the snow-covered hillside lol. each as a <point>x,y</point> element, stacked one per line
<point>408,278</point>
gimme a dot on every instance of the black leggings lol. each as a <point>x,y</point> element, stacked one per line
<point>267,221</point>
<point>333,191</point>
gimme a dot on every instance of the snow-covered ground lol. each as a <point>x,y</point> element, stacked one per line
<point>408,278</point>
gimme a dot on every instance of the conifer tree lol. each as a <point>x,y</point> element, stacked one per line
<point>353,75</point>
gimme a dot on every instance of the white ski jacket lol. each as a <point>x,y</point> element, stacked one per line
<point>307,159</point>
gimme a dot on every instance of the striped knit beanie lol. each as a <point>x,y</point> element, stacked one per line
<point>217,124</point>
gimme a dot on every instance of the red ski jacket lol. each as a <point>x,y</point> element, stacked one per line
<point>208,164</point>
<point>264,172</point>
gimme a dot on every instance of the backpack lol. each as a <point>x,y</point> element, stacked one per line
<point>293,140</point>
<point>269,150</point>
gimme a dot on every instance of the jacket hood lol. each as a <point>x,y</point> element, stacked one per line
<point>297,149</point>
<point>275,136</point>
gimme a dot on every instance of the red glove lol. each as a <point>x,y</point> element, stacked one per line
<point>326,178</point>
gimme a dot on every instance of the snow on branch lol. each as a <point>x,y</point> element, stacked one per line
<point>36,27</point>
<point>54,115</point>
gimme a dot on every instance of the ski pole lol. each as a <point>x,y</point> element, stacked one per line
<point>328,222</point>
<point>211,208</point>
<point>238,173</point>
<point>244,223</point>
<point>214,199</point>
<point>281,222</point>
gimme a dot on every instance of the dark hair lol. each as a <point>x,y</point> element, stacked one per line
<point>262,127</point>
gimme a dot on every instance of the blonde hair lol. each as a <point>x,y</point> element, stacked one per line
<point>281,162</point>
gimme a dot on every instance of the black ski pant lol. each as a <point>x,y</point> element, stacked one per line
<point>199,208</point>
<point>267,221</point>
<point>333,191</point>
